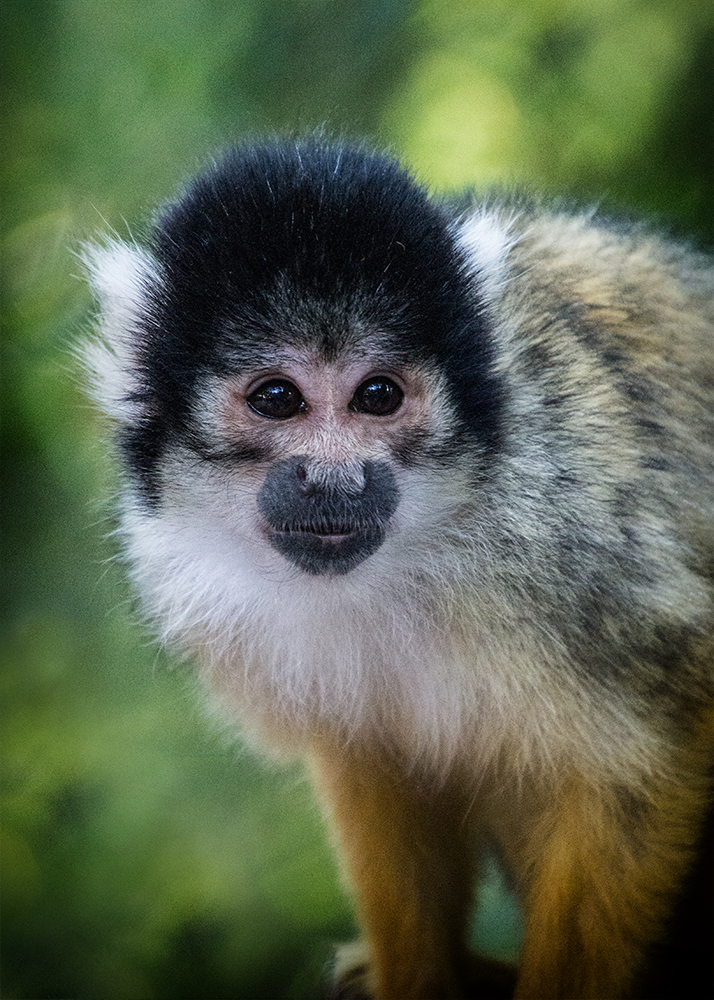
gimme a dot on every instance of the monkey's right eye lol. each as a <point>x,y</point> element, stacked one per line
<point>277,399</point>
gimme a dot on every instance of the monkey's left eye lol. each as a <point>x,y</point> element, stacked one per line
<point>277,399</point>
<point>378,396</point>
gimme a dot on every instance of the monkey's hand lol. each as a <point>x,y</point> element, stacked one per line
<point>487,978</point>
<point>351,973</point>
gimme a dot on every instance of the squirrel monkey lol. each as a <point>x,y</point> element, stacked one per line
<point>427,491</point>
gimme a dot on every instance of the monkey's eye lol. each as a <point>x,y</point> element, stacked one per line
<point>277,399</point>
<point>378,396</point>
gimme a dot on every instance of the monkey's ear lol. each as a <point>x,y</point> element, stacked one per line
<point>121,276</point>
<point>488,235</point>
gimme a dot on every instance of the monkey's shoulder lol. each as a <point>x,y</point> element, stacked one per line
<point>647,294</point>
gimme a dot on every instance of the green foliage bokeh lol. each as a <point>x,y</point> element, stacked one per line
<point>145,855</point>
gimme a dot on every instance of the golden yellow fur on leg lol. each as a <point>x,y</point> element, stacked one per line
<point>600,886</point>
<point>408,856</point>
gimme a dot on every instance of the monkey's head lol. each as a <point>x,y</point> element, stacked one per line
<point>299,346</point>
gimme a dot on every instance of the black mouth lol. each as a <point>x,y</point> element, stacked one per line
<point>326,547</point>
<point>323,529</point>
<point>331,525</point>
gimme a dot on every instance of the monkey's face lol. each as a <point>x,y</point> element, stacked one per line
<point>329,439</point>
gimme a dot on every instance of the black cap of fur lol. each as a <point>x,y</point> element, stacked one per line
<point>308,244</point>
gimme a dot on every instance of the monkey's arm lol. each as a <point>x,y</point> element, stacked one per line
<point>407,853</point>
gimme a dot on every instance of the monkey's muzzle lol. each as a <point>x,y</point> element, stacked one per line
<point>326,524</point>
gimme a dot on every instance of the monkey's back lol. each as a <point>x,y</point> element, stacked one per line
<point>648,304</point>
<point>607,330</point>
<point>653,301</point>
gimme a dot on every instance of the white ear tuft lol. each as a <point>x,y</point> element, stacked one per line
<point>487,236</point>
<point>120,276</point>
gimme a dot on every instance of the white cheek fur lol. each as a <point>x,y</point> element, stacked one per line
<point>284,644</point>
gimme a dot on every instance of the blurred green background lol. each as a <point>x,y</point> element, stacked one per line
<point>145,855</point>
